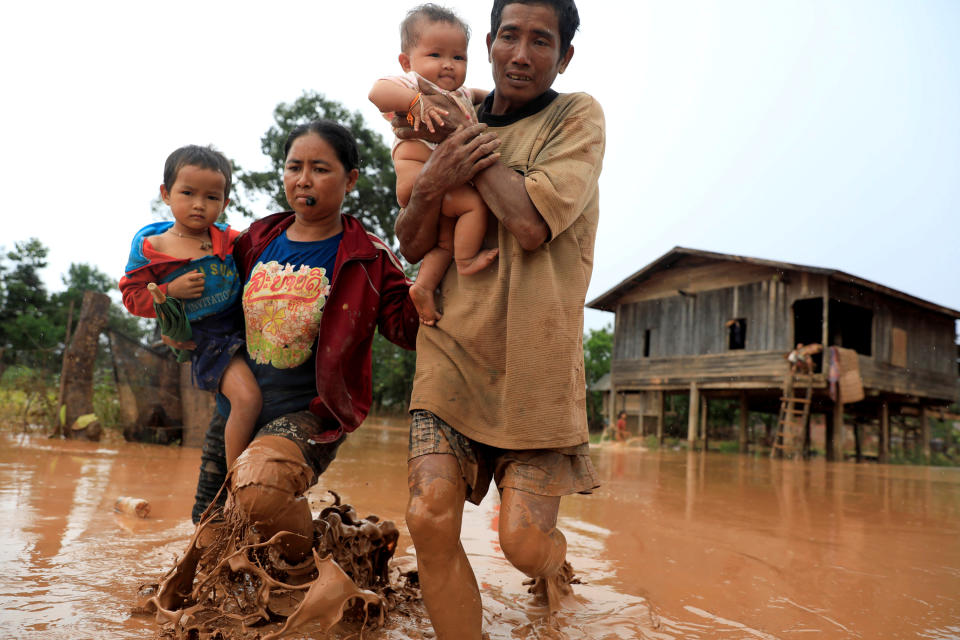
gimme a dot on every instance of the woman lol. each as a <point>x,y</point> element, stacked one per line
<point>317,285</point>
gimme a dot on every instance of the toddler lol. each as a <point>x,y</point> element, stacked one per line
<point>191,259</point>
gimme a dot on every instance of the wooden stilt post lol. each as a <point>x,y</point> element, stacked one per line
<point>660,412</point>
<point>858,447</point>
<point>836,445</point>
<point>925,432</point>
<point>829,434</point>
<point>693,415</point>
<point>883,454</point>
<point>612,407</point>
<point>744,413</point>
<point>704,411</point>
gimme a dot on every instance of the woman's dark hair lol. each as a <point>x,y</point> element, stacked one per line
<point>337,136</point>
<point>568,18</point>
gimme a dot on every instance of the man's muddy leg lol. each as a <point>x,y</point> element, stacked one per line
<point>266,485</point>
<point>434,516</point>
<point>532,543</point>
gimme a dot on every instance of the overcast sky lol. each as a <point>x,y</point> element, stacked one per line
<point>820,132</point>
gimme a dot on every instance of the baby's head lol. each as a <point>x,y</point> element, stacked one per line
<point>200,157</point>
<point>433,42</point>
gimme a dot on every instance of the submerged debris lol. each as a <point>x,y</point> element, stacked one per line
<point>231,585</point>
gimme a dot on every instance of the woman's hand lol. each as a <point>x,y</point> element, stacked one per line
<point>187,286</point>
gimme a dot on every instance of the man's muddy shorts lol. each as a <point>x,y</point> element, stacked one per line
<point>544,472</point>
<point>300,427</point>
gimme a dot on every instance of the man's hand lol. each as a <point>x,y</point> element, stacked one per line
<point>187,286</point>
<point>454,115</point>
<point>456,160</point>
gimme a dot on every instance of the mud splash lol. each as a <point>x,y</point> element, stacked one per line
<point>231,583</point>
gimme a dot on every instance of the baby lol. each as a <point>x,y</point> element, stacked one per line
<point>191,259</point>
<point>433,42</point>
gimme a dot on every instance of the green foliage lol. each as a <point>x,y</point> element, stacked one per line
<point>33,327</point>
<point>28,397</point>
<point>24,323</point>
<point>106,400</point>
<point>373,201</point>
<point>597,349</point>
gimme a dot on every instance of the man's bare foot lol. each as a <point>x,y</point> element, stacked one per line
<point>554,591</point>
<point>479,262</point>
<point>425,303</point>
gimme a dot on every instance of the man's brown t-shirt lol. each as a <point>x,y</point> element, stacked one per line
<point>504,365</point>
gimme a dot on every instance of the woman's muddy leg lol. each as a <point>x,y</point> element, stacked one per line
<point>434,516</point>
<point>267,486</point>
<point>213,468</point>
<point>532,543</point>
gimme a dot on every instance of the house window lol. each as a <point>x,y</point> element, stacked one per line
<point>851,327</point>
<point>737,333</point>
<point>646,343</point>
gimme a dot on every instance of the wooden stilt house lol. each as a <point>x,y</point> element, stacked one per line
<point>711,325</point>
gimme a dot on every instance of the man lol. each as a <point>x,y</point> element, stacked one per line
<point>499,390</point>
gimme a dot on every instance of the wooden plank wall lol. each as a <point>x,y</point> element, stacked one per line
<point>734,369</point>
<point>930,336</point>
<point>695,323</point>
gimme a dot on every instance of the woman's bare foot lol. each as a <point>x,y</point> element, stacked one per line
<point>425,303</point>
<point>477,263</point>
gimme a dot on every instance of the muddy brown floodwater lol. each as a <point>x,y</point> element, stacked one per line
<point>674,545</point>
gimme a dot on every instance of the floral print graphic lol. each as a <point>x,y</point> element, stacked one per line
<point>283,307</point>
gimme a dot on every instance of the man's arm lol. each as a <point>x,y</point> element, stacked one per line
<point>454,162</point>
<point>505,192</point>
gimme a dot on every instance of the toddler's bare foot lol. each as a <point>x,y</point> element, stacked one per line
<point>479,262</point>
<point>425,303</point>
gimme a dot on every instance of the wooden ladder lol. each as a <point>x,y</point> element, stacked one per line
<point>794,415</point>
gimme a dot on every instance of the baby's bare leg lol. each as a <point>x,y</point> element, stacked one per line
<point>468,207</point>
<point>432,269</point>
<point>408,159</point>
<point>241,389</point>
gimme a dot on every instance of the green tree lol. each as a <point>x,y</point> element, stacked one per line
<point>83,277</point>
<point>373,201</point>
<point>597,349</point>
<point>393,370</point>
<point>26,330</point>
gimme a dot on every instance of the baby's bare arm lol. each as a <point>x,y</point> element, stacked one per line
<point>390,96</point>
